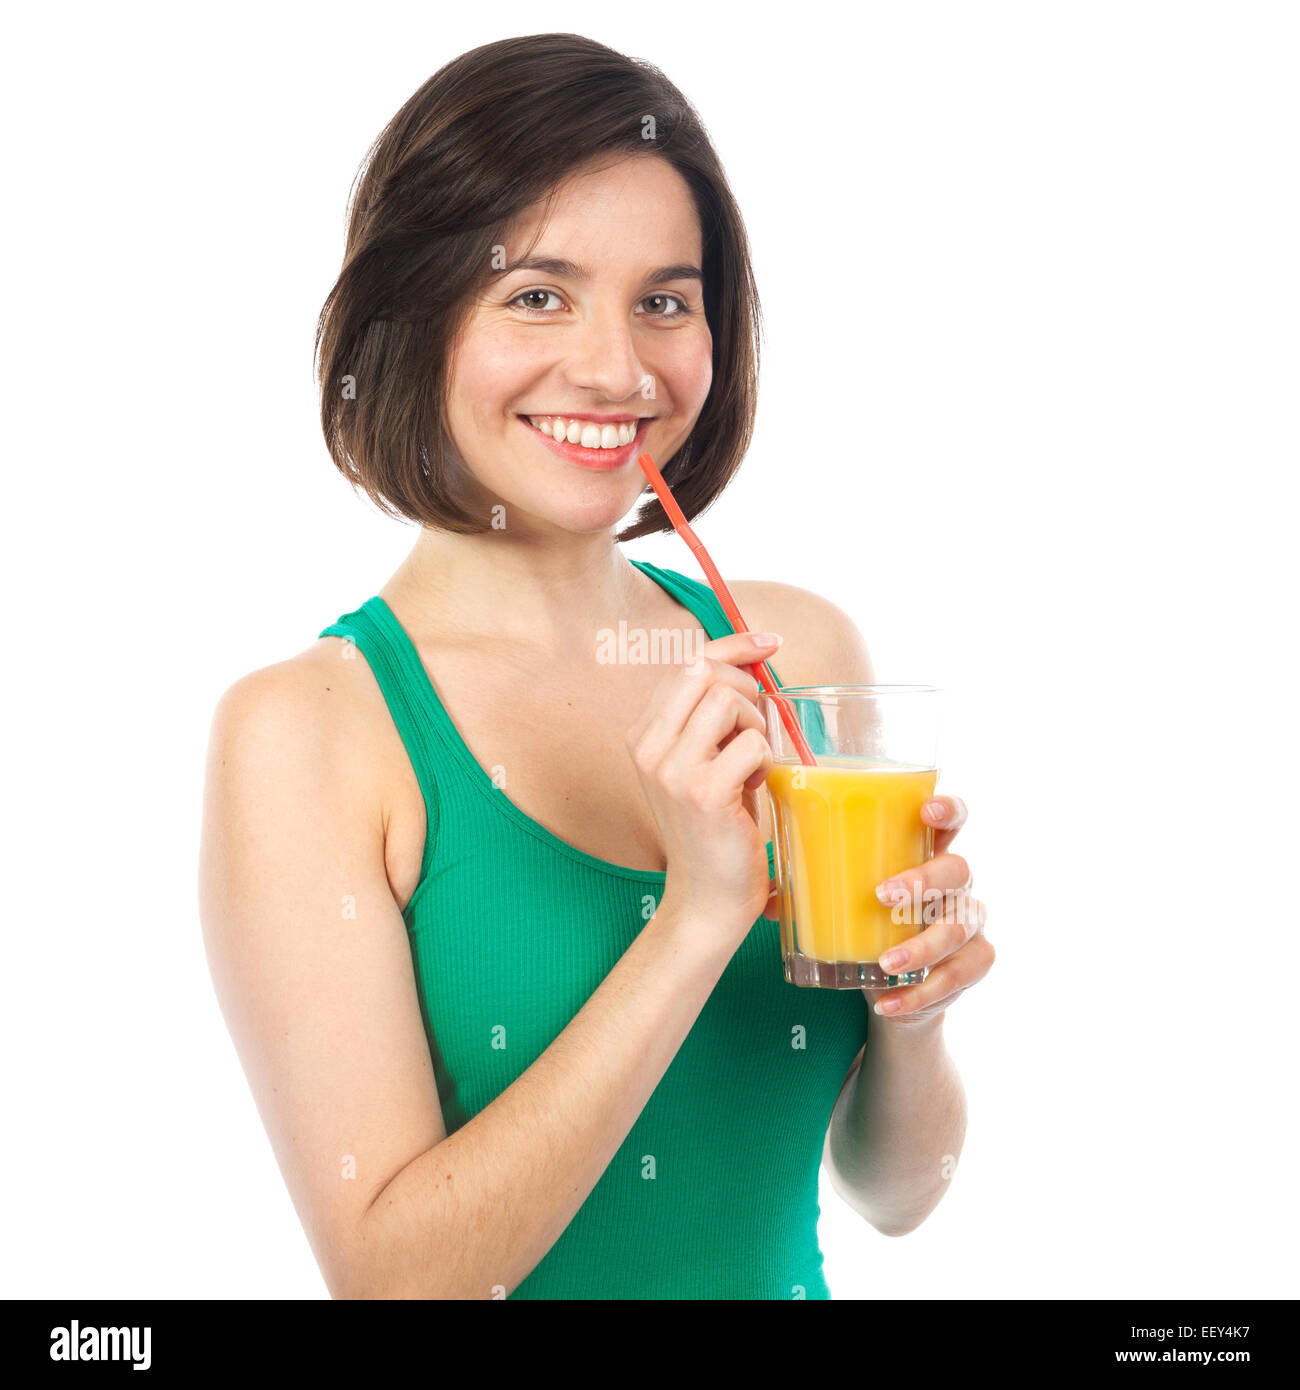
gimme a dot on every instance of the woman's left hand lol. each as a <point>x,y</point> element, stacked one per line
<point>953,944</point>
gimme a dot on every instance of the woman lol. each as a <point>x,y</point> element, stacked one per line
<point>487,913</point>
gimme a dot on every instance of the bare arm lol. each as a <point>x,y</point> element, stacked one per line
<point>324,1013</point>
<point>898,1127</point>
<point>478,1212</point>
<point>899,1123</point>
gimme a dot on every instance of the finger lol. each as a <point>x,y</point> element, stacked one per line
<point>742,648</point>
<point>673,699</point>
<point>714,786</point>
<point>944,873</point>
<point>947,814</point>
<point>747,758</point>
<point>676,696</point>
<point>737,677</point>
<point>939,940</point>
<point>755,779</point>
<point>944,983</point>
<point>721,711</point>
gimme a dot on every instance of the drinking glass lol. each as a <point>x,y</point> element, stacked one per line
<point>848,823</point>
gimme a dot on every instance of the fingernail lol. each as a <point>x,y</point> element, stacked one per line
<point>891,891</point>
<point>697,667</point>
<point>936,809</point>
<point>767,639</point>
<point>888,1006</point>
<point>891,959</point>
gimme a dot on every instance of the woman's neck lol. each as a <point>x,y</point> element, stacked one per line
<point>520,590</point>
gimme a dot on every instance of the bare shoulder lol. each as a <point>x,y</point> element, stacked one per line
<point>310,740</point>
<point>823,644</point>
<point>285,789</point>
<point>321,707</point>
<point>291,696</point>
<point>293,744</point>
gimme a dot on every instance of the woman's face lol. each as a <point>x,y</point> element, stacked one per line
<point>617,332</point>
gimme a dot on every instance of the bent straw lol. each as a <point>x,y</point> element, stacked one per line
<point>761,671</point>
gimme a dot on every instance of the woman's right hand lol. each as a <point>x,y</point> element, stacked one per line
<point>701,752</point>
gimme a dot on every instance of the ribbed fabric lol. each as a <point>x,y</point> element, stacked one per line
<point>713,1194</point>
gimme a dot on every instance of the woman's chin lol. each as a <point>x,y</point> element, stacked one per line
<point>582,516</point>
<point>585,521</point>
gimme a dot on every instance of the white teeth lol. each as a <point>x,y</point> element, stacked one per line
<point>585,432</point>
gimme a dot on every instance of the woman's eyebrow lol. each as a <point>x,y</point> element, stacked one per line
<point>570,270</point>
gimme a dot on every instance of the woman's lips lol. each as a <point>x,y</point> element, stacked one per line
<point>595,460</point>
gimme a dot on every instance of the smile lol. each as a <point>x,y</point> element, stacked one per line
<point>589,443</point>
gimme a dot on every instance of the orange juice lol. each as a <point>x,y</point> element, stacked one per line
<point>840,828</point>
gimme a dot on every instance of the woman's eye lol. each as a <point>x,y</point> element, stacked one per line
<point>658,299</point>
<point>534,296</point>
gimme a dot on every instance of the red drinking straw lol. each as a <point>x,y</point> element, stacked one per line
<point>761,671</point>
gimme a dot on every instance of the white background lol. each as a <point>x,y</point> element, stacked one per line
<point>1029,413</point>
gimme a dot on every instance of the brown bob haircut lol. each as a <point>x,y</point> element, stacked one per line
<point>489,134</point>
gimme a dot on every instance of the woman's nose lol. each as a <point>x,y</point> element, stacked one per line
<point>604,358</point>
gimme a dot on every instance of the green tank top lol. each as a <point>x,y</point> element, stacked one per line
<point>713,1194</point>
